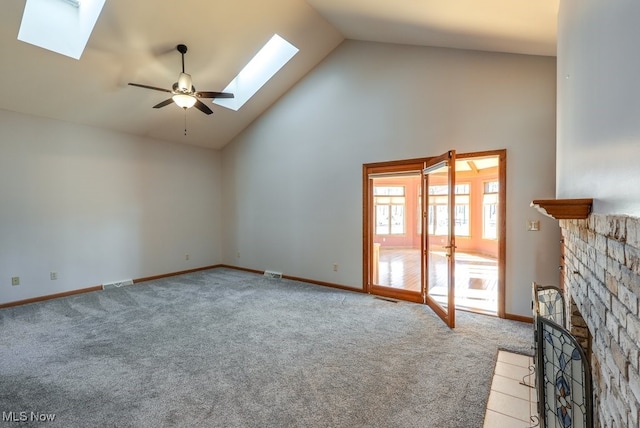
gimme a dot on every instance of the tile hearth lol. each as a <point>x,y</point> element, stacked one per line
<point>511,404</point>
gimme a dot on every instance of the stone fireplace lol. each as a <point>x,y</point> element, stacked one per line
<point>602,287</point>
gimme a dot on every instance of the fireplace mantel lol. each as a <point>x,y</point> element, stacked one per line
<point>564,209</point>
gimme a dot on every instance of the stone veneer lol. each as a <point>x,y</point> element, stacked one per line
<point>602,277</point>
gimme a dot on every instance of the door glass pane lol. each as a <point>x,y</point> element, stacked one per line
<point>438,237</point>
<point>396,260</point>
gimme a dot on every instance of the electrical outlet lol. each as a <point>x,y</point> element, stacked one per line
<point>186,256</point>
<point>53,276</point>
<point>533,225</point>
<point>15,280</point>
<point>335,267</point>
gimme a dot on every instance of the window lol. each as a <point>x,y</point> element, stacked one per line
<point>490,210</point>
<point>462,218</point>
<point>61,26</point>
<point>262,67</point>
<point>390,210</point>
<point>438,215</point>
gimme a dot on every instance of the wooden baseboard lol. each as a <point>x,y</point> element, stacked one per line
<point>167,275</point>
<point>98,288</point>
<point>521,318</point>
<point>295,278</point>
<point>259,272</point>
<point>325,284</point>
<point>50,296</point>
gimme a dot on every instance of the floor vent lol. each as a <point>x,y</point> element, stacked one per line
<point>272,274</point>
<point>117,284</point>
<point>386,299</point>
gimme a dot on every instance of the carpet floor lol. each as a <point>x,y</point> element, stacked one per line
<point>226,348</point>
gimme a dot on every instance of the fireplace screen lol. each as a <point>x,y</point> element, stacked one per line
<point>549,303</point>
<point>564,379</point>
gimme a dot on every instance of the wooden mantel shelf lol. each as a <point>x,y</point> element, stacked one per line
<point>564,209</point>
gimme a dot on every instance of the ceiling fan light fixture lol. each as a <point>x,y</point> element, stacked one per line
<point>184,100</point>
<point>184,82</point>
<point>183,92</point>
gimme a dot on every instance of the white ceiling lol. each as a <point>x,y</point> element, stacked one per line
<point>134,41</point>
<point>516,26</point>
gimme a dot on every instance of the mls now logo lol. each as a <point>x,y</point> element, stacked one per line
<point>27,417</point>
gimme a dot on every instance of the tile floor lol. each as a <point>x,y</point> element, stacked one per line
<point>511,404</point>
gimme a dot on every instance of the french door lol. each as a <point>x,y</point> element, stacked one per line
<point>439,237</point>
<point>393,216</point>
<point>389,215</point>
<point>412,240</point>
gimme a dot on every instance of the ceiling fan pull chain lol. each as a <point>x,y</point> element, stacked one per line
<point>185,121</point>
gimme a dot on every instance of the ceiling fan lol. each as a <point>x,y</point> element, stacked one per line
<point>184,93</point>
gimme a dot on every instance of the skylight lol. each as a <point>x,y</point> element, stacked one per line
<point>262,67</point>
<point>61,26</point>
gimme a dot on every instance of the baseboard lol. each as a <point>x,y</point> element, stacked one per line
<point>325,284</point>
<point>295,278</point>
<point>259,272</point>
<point>170,274</point>
<point>98,288</point>
<point>50,296</point>
<point>521,318</point>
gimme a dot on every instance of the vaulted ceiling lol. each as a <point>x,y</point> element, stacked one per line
<point>134,41</point>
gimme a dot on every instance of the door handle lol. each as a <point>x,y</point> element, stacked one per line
<point>449,248</point>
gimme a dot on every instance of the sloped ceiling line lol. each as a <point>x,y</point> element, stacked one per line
<point>131,39</point>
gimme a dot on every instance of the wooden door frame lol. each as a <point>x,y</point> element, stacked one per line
<point>391,167</point>
<point>448,314</point>
<point>400,166</point>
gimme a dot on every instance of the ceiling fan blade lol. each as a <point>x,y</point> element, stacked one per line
<point>202,107</point>
<point>163,103</point>
<point>150,87</point>
<point>209,94</point>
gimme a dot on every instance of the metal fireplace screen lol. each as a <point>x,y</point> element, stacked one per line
<point>549,303</point>
<point>564,379</point>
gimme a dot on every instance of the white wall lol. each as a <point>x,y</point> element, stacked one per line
<point>97,206</point>
<point>292,182</point>
<point>599,104</point>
